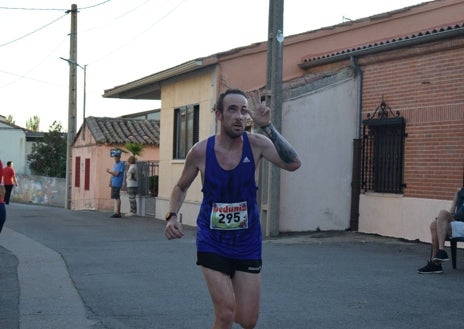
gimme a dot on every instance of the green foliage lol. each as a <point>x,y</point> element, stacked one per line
<point>134,148</point>
<point>48,158</point>
<point>10,119</point>
<point>33,123</point>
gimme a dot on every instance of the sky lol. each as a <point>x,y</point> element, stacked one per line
<point>119,41</point>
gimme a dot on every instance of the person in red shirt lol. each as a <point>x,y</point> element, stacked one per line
<point>2,205</point>
<point>9,179</point>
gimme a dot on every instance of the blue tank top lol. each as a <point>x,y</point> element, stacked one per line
<point>229,197</point>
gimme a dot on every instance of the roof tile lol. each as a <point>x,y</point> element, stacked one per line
<point>122,130</point>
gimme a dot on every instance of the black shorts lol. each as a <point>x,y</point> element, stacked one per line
<point>228,265</point>
<point>115,192</point>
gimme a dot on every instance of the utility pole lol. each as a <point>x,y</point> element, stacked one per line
<point>71,102</point>
<point>274,101</point>
<point>85,92</point>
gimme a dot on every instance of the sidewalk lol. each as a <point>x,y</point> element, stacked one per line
<point>56,296</point>
<point>71,270</point>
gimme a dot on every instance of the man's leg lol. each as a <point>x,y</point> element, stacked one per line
<point>2,216</point>
<point>8,189</point>
<point>438,232</point>
<point>443,227</point>
<point>247,288</point>
<point>132,193</point>
<point>118,206</point>
<point>222,296</point>
<point>433,233</point>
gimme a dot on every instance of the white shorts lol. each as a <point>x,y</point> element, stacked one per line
<point>457,229</point>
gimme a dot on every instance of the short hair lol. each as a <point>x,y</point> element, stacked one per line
<point>131,159</point>
<point>8,163</point>
<point>220,102</point>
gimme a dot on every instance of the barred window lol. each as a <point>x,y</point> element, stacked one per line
<point>186,130</point>
<point>382,165</point>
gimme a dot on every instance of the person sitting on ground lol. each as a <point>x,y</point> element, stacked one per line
<point>447,224</point>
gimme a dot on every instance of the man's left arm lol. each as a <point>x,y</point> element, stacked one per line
<point>286,151</point>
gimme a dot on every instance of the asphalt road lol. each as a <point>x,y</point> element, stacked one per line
<point>81,269</point>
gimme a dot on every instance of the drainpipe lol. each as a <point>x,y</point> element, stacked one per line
<point>359,76</point>
<point>356,168</point>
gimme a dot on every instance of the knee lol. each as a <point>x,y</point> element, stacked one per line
<point>225,318</point>
<point>443,214</point>
<point>248,323</point>
<point>433,226</point>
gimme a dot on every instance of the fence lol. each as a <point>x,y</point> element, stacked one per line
<point>49,191</point>
<point>147,177</point>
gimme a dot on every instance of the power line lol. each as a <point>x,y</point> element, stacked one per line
<point>67,11</point>
<point>35,31</point>
<point>29,78</point>
<point>53,9</point>
<point>139,34</point>
<point>93,6</point>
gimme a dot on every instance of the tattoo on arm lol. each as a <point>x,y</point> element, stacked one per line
<point>286,152</point>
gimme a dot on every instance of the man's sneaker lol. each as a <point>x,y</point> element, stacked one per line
<point>115,216</point>
<point>441,256</point>
<point>430,268</point>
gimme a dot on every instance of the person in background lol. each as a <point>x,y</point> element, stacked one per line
<point>132,184</point>
<point>117,178</point>
<point>229,240</point>
<point>448,223</point>
<point>2,204</point>
<point>9,180</point>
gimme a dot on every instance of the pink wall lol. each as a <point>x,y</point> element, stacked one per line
<point>251,74</point>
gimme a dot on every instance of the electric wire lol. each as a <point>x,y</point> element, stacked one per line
<point>140,34</point>
<point>30,33</point>
<point>52,9</point>
<point>25,75</point>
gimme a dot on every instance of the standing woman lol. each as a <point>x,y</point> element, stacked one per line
<point>132,184</point>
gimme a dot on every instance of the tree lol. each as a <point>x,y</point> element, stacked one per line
<point>33,123</point>
<point>10,119</point>
<point>134,148</point>
<point>48,158</point>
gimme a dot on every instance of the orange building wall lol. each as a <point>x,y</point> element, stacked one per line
<point>428,90</point>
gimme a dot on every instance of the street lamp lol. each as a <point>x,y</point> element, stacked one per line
<point>85,82</point>
<point>71,119</point>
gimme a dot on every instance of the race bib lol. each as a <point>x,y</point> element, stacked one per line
<point>229,216</point>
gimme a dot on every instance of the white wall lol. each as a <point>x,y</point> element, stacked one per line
<point>13,147</point>
<point>396,216</point>
<point>321,125</point>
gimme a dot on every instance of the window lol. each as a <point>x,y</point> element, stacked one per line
<point>186,129</point>
<point>382,163</point>
<point>87,175</point>
<point>77,171</point>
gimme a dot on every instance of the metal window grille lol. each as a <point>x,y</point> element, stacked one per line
<point>382,163</point>
<point>147,176</point>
